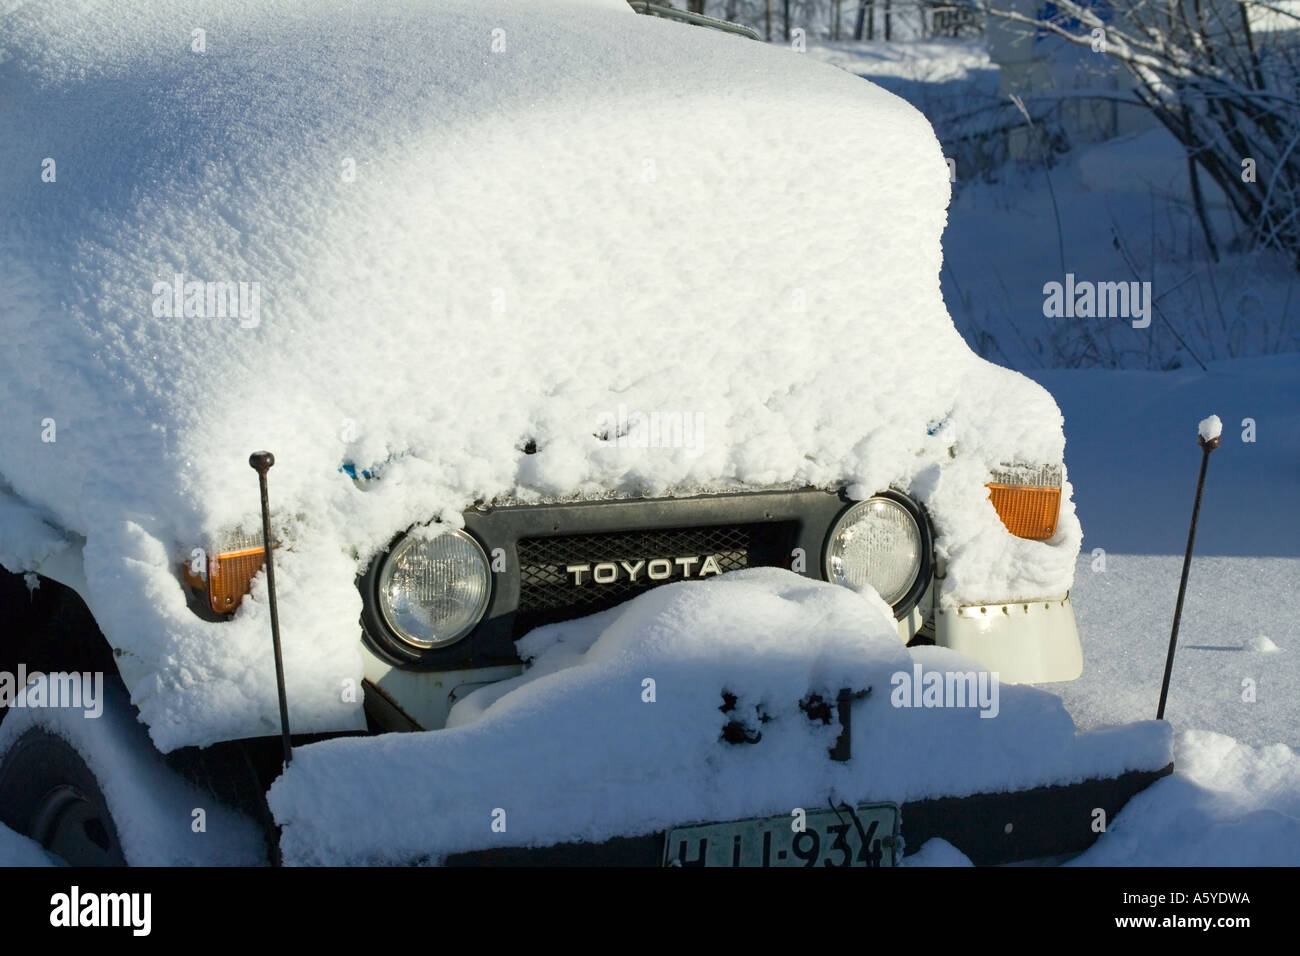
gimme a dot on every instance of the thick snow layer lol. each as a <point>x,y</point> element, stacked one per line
<point>152,807</point>
<point>1228,804</point>
<point>463,227</point>
<point>1209,428</point>
<point>575,749</point>
<point>25,538</point>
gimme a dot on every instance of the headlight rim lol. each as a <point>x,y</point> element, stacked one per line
<point>925,572</point>
<point>388,638</point>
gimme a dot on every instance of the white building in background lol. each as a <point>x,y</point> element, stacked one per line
<point>1033,63</point>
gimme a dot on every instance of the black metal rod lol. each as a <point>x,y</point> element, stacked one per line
<point>261,462</point>
<point>1207,446</point>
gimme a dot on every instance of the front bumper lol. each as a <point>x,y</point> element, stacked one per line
<point>991,829</point>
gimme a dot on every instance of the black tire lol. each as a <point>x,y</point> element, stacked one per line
<point>48,793</point>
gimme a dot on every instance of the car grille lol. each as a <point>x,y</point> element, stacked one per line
<point>548,593</point>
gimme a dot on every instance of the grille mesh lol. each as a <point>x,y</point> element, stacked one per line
<point>549,593</point>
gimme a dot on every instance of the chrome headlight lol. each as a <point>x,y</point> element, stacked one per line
<point>878,542</point>
<point>432,592</point>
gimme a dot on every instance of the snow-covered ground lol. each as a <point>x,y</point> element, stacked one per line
<point>1238,662</point>
<point>1012,228</point>
<point>1133,456</point>
<point>923,61</point>
<point>17,850</point>
<point>1233,701</point>
<point>1227,804</point>
<point>1007,239</point>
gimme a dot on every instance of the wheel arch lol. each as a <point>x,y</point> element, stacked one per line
<point>49,627</point>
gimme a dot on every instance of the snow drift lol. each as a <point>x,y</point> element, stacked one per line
<point>1228,804</point>
<point>422,238</point>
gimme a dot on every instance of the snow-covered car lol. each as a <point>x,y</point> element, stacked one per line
<point>539,307</point>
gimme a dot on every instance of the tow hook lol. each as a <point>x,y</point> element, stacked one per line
<point>843,748</point>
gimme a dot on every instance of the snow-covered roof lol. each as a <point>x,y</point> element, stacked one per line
<point>455,229</point>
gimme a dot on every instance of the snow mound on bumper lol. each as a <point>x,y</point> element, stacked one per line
<point>573,751</point>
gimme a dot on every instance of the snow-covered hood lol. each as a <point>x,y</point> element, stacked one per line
<point>458,233</point>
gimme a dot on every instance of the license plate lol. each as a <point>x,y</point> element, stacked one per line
<point>863,836</point>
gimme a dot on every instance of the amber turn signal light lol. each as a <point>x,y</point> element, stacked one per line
<point>1028,511</point>
<point>229,576</point>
